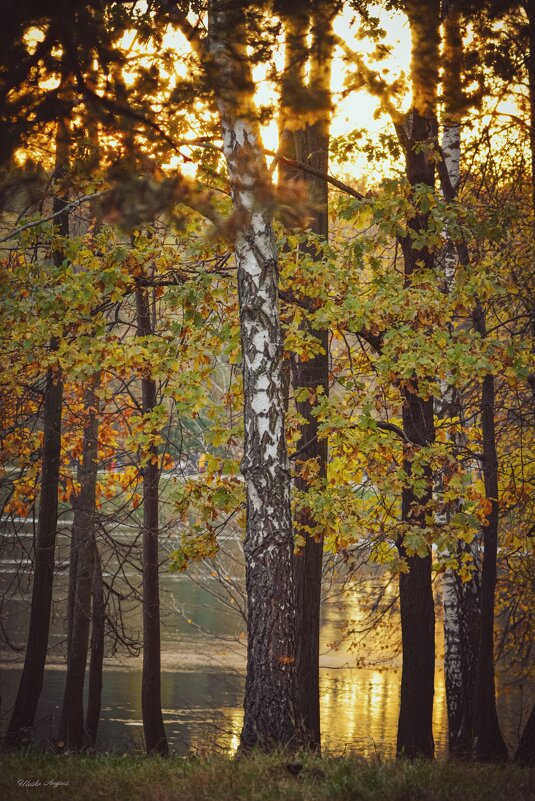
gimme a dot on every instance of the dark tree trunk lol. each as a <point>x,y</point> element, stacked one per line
<point>530,10</point>
<point>71,730</point>
<point>94,690</point>
<point>415,725</point>
<point>308,560</point>
<point>269,703</point>
<point>151,704</point>
<point>31,682</point>
<point>311,374</point>
<point>525,753</point>
<point>73,569</point>
<point>489,743</point>
<point>310,146</point>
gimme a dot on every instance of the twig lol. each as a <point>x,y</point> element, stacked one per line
<point>280,150</point>
<point>67,208</point>
<point>298,165</point>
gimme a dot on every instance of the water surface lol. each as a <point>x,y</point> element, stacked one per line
<point>203,658</point>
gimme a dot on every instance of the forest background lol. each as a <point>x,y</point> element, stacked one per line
<point>324,345</point>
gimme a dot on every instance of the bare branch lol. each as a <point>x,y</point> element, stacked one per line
<point>67,208</point>
<point>298,165</point>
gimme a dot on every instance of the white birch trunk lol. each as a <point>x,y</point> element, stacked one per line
<point>270,686</point>
<point>460,599</point>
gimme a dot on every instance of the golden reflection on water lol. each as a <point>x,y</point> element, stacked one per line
<point>235,719</point>
<point>203,675</point>
<point>359,713</point>
<point>360,708</point>
<point>359,680</point>
<point>360,685</point>
<point>360,705</point>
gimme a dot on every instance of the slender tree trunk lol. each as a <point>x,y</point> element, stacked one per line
<point>461,638</point>
<point>308,561</point>
<point>415,725</point>
<point>94,692</point>
<point>310,145</point>
<point>73,570</point>
<point>151,703</point>
<point>269,704</point>
<point>489,743</point>
<point>71,730</point>
<point>530,11</point>
<point>460,598</point>
<point>31,682</point>
<point>525,753</point>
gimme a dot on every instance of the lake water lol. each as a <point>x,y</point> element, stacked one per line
<point>203,656</point>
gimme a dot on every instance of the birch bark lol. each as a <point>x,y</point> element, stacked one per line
<point>460,599</point>
<point>269,702</point>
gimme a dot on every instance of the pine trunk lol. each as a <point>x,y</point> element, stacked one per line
<point>151,704</point>
<point>269,704</point>
<point>417,133</point>
<point>308,561</point>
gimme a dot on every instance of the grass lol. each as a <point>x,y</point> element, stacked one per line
<point>256,778</point>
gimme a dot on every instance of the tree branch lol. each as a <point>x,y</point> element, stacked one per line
<point>67,208</point>
<point>395,430</point>
<point>298,165</point>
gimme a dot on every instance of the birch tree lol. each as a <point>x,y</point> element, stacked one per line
<point>460,597</point>
<point>269,702</point>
